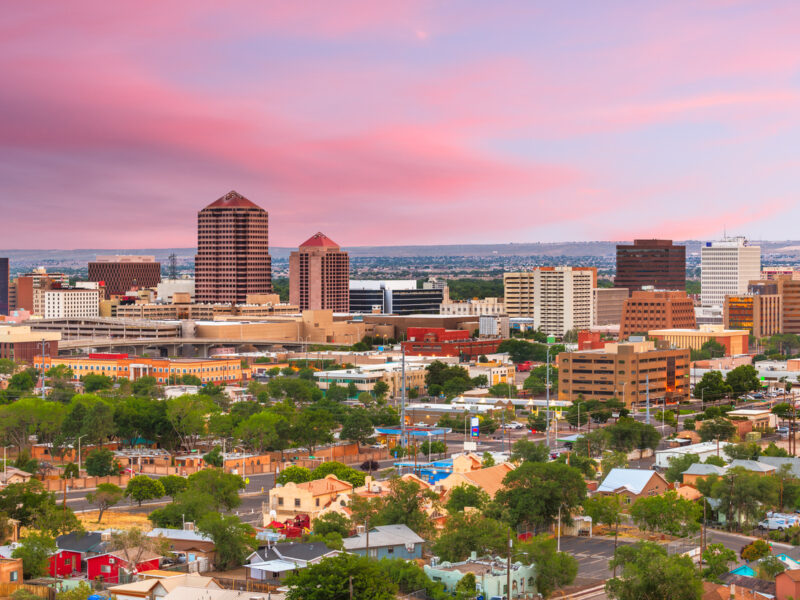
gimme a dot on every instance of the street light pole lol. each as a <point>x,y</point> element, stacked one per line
<point>79,454</point>
<point>547,387</point>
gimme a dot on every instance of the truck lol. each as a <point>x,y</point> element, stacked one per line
<point>524,366</point>
<point>778,521</point>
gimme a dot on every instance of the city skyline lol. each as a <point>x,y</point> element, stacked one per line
<point>393,124</point>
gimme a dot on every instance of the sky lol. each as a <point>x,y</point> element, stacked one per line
<point>392,123</point>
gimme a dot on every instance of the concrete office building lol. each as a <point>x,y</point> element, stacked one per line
<point>71,303</point>
<point>648,309</point>
<point>475,307</point>
<point>21,344</point>
<point>30,289</point>
<point>169,287</point>
<point>625,371</point>
<point>651,263</point>
<point>233,257</point>
<point>760,311</point>
<point>319,275</point>
<point>395,296</point>
<point>608,303</point>
<point>123,273</point>
<point>735,342</point>
<point>726,269</point>
<point>5,307</point>
<point>558,299</point>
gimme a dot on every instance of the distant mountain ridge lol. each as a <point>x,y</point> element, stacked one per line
<point>79,257</point>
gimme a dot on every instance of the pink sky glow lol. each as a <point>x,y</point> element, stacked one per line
<point>385,123</point>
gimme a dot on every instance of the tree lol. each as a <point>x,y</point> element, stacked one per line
<point>187,415</point>
<point>741,494</point>
<point>715,460</point>
<point>264,431</point>
<point>313,428</point>
<point>70,471</point>
<point>25,502</point>
<point>380,389</point>
<point>404,505</point>
<point>718,428</point>
<point>770,567</point>
<point>529,452</point>
<point>104,497</point>
<point>487,460</point>
<point>146,387</point>
<point>214,457</point>
<point>717,559</point>
<point>411,579</point>
<point>7,366</point>
<point>465,495</point>
<point>464,533</point>
<point>357,426</point>
<point>295,474</point>
<point>743,379</point>
<point>95,383</point>
<point>35,550</point>
<point>233,540</point>
<point>756,550</point>
<point>352,390</point>
<point>712,387</point>
<point>553,569</point>
<point>648,572</point>
<point>613,460</point>
<point>81,592</point>
<point>223,488</point>
<point>679,464</point>
<point>534,493</point>
<point>668,513</point>
<point>173,485</point>
<point>584,464</point>
<point>100,462</point>
<point>331,522</point>
<point>29,416</point>
<point>628,434</point>
<point>749,451</point>
<point>465,588</point>
<point>141,488</point>
<point>606,510</point>
<point>333,578</point>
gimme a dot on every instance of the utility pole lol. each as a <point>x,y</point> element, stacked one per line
<point>508,565</point>
<point>403,397</point>
<point>42,368</point>
<point>647,413</point>
<point>547,387</point>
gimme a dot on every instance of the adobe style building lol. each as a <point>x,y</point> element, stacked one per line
<point>123,273</point>
<point>646,310</point>
<point>232,251</point>
<point>735,342</point>
<point>319,275</point>
<point>625,371</point>
<point>20,344</point>
<point>651,263</point>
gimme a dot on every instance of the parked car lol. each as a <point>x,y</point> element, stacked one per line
<point>782,430</point>
<point>378,446</point>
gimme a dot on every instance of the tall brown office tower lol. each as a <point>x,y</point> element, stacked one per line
<point>232,251</point>
<point>319,275</point>
<point>656,263</point>
<point>4,304</point>
<point>123,273</point>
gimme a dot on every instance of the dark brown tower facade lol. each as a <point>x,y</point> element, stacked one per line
<point>319,275</point>
<point>656,263</point>
<point>232,251</point>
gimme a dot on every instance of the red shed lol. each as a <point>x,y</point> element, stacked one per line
<point>64,563</point>
<point>133,560</point>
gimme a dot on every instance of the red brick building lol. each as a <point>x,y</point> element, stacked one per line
<point>646,310</point>
<point>319,275</point>
<point>433,341</point>
<point>123,273</point>
<point>232,251</point>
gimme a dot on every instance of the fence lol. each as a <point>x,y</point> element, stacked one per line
<point>245,585</point>
<point>84,483</point>
<point>8,589</point>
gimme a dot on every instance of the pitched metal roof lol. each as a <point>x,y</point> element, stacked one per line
<point>632,480</point>
<point>383,536</point>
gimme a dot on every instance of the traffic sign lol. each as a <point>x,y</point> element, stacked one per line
<point>247,481</point>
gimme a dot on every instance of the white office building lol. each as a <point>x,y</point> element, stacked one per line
<point>71,303</point>
<point>726,268</point>
<point>558,298</point>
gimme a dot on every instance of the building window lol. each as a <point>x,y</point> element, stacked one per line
<point>105,569</point>
<point>297,502</point>
<point>280,501</point>
<point>13,576</point>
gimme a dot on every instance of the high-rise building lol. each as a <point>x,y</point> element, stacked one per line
<point>558,299</point>
<point>4,306</point>
<point>608,304</point>
<point>232,251</point>
<point>71,303</point>
<point>123,273</point>
<point>30,289</point>
<point>651,263</point>
<point>760,310</point>
<point>647,309</point>
<point>319,275</point>
<point>726,269</point>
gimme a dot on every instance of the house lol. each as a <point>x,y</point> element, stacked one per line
<point>81,544</point>
<point>779,461</point>
<point>491,576</point>
<point>13,475</point>
<point>762,588</point>
<point>716,591</point>
<point>700,471</point>
<point>308,498</point>
<point>10,570</point>
<point>753,466</point>
<point>271,564</point>
<point>191,545</point>
<point>386,541</point>
<point>490,479</point>
<point>787,585</point>
<point>64,563</point>
<point>633,484</point>
<point>157,588</point>
<point>703,450</point>
<point>118,566</point>
<point>761,418</point>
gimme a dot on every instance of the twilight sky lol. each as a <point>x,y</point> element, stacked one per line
<point>408,122</point>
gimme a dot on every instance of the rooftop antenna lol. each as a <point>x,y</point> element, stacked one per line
<point>173,266</point>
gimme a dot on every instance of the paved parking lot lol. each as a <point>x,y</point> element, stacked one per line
<point>592,554</point>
